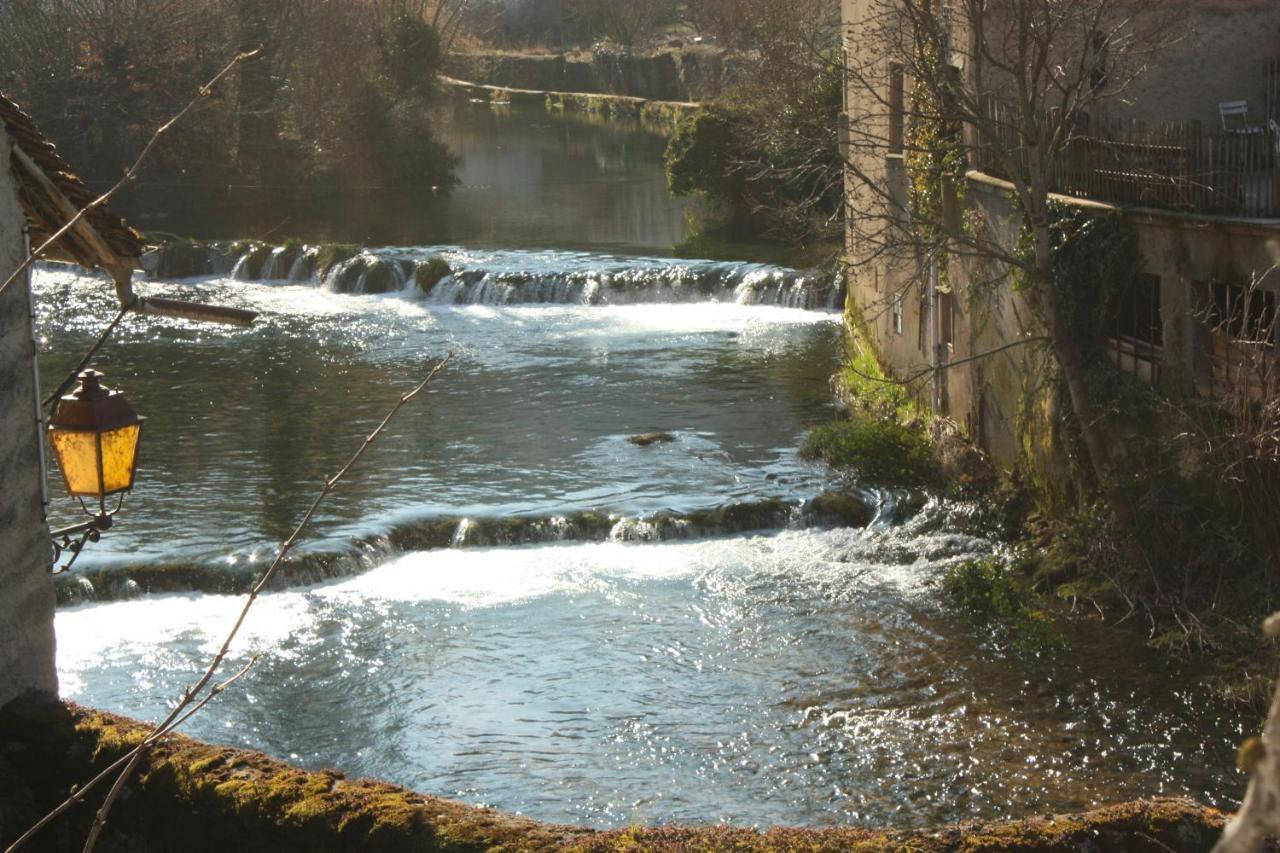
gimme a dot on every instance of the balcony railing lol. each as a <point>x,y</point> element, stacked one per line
<point>1179,166</point>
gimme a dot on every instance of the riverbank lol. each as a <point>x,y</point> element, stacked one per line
<point>193,796</point>
<point>686,73</point>
<point>660,116</point>
<point>1059,561</point>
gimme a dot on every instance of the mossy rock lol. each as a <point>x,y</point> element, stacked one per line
<point>348,278</point>
<point>331,254</point>
<point>255,261</point>
<point>194,797</point>
<point>379,277</point>
<point>840,509</point>
<point>289,254</point>
<point>182,259</point>
<point>650,438</point>
<point>427,274</point>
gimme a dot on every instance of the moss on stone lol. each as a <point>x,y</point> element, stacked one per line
<point>650,438</point>
<point>255,261</point>
<point>331,254</point>
<point>427,274</point>
<point>195,797</point>
<point>841,509</point>
<point>379,277</point>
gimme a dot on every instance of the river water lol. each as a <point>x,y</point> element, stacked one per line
<point>607,633</point>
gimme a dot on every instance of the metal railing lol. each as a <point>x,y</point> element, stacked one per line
<point>1179,166</point>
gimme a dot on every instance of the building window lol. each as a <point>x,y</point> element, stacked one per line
<point>946,324</point>
<point>1243,339</point>
<point>1138,314</point>
<point>897,107</point>
<point>1244,314</point>
<point>1136,343</point>
<point>897,313</point>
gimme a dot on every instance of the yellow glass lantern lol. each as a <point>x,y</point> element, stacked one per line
<point>95,435</point>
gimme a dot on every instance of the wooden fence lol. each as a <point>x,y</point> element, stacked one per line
<point>1179,166</point>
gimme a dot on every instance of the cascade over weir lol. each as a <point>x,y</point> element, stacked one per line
<point>470,277</point>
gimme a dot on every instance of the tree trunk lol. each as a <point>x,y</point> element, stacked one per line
<point>1259,815</point>
<point>1070,358</point>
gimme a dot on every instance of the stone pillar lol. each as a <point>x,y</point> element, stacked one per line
<point>26,589</point>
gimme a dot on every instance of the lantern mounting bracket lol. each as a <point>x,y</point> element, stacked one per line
<point>71,540</point>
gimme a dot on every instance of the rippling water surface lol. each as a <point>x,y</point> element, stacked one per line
<point>798,676</point>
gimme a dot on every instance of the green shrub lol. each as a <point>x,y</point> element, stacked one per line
<point>990,591</point>
<point>697,153</point>
<point>879,450</point>
<point>411,52</point>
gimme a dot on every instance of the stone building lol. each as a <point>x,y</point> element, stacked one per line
<point>38,195</point>
<point>1189,152</point>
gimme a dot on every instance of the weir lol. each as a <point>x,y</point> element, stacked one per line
<point>510,278</point>
<point>126,579</point>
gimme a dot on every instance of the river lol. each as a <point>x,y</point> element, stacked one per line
<point>511,603</point>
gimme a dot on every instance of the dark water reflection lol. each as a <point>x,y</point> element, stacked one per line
<point>528,178</point>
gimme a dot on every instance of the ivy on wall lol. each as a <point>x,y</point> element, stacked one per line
<point>1095,263</point>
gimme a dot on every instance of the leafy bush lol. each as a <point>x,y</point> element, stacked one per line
<point>410,55</point>
<point>990,590</point>
<point>878,450</point>
<point>699,153</point>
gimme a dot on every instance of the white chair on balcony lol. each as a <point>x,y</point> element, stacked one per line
<point>1235,117</point>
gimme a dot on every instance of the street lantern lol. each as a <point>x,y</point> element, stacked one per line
<point>95,435</point>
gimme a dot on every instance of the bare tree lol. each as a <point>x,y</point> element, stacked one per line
<point>1006,86</point>
<point>628,24</point>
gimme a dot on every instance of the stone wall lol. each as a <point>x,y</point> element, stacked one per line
<point>26,589</point>
<point>688,74</point>
<point>193,797</point>
<point>1222,57</point>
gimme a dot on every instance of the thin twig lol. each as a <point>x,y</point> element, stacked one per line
<point>100,817</point>
<point>184,709</point>
<point>84,362</point>
<point>129,175</point>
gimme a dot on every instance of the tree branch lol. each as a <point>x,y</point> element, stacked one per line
<point>191,700</point>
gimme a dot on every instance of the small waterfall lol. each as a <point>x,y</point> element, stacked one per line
<point>457,277</point>
<point>278,265</point>
<point>827,510</point>
<point>634,530</point>
<point>461,534</point>
<point>238,272</point>
<point>304,265</point>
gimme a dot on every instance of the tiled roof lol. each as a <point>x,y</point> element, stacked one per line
<point>43,215</point>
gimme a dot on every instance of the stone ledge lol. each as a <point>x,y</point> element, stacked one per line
<point>191,796</point>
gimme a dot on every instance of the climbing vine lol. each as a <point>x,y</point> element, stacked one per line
<point>934,152</point>
<point>1095,263</point>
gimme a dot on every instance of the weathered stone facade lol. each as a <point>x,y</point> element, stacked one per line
<point>26,588</point>
<point>1184,255</point>
<point>1223,56</point>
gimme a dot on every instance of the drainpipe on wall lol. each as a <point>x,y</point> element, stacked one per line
<point>37,400</point>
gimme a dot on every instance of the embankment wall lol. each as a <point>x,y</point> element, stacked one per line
<point>685,74</point>
<point>194,797</point>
